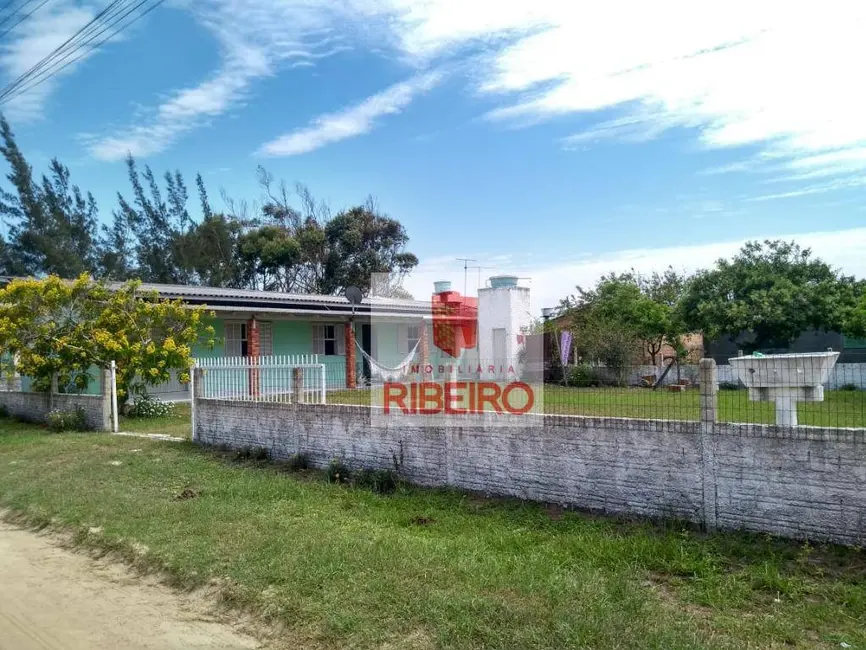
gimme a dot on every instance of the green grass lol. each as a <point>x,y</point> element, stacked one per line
<point>839,408</point>
<point>341,567</point>
<point>178,424</point>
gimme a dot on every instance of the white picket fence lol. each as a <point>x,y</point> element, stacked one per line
<point>278,378</point>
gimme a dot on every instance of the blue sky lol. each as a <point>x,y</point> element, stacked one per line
<point>549,138</point>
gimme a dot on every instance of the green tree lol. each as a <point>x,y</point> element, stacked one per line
<point>158,225</point>
<point>637,307</point>
<point>52,326</point>
<point>52,224</point>
<point>767,295</point>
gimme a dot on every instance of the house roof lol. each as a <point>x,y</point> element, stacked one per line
<point>287,302</point>
<point>223,299</point>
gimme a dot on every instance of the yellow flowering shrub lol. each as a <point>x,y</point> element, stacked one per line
<point>57,326</point>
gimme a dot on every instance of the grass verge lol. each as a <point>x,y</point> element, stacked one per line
<point>342,567</point>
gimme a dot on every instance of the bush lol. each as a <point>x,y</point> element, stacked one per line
<point>381,481</point>
<point>729,385</point>
<point>147,406</point>
<point>338,472</point>
<point>4,412</point>
<point>298,462</point>
<point>849,387</point>
<point>584,375</point>
<point>67,419</point>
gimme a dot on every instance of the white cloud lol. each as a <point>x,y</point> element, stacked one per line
<point>256,38</point>
<point>551,281</point>
<point>29,43</point>
<point>778,76</point>
<point>352,121</point>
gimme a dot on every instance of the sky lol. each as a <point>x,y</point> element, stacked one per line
<point>554,139</point>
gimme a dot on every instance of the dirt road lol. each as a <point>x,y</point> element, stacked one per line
<point>53,599</point>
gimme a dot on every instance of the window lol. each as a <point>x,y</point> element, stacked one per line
<point>413,335</point>
<point>266,339</point>
<point>329,339</point>
<point>236,339</point>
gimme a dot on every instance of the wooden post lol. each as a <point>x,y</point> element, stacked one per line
<point>351,379</point>
<point>298,385</point>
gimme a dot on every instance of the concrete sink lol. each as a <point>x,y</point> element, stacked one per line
<point>785,379</point>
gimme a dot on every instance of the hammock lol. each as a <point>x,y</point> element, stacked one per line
<point>384,372</point>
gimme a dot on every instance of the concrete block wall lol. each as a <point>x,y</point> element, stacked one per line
<point>802,482</point>
<point>34,407</point>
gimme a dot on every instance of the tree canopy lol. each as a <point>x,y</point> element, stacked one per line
<point>635,310</point>
<point>53,326</point>
<point>285,241</point>
<point>767,295</point>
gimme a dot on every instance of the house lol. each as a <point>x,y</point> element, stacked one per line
<point>251,323</point>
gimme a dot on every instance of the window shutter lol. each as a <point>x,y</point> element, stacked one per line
<point>340,336</point>
<point>318,339</point>
<point>402,339</point>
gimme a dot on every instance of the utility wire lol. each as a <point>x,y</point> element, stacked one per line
<point>60,63</point>
<point>23,18</point>
<point>114,13</point>
<point>12,13</point>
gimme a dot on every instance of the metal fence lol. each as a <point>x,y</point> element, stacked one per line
<point>804,393</point>
<point>281,378</point>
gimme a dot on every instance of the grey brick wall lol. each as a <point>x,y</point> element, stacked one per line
<point>804,482</point>
<point>34,407</point>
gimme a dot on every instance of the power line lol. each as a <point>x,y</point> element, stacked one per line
<point>23,18</point>
<point>58,65</point>
<point>114,13</point>
<point>13,12</point>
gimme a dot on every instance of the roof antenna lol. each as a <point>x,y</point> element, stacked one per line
<point>465,261</point>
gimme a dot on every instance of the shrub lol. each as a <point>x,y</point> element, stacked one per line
<point>147,406</point>
<point>584,375</point>
<point>381,481</point>
<point>849,387</point>
<point>251,453</point>
<point>4,412</point>
<point>729,385</point>
<point>298,462</point>
<point>338,472</point>
<point>67,419</point>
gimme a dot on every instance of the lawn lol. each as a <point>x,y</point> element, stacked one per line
<point>839,408</point>
<point>342,567</point>
<point>178,424</point>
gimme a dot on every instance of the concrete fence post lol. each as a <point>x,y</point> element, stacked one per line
<point>108,401</point>
<point>709,404</point>
<point>197,380</point>
<point>709,384</point>
<point>52,391</point>
<point>297,385</point>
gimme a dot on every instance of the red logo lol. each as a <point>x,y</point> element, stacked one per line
<point>455,322</point>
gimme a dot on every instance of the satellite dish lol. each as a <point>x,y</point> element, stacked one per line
<point>354,295</point>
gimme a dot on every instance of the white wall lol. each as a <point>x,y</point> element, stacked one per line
<point>506,308</point>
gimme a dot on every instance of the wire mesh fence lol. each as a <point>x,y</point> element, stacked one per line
<point>786,390</point>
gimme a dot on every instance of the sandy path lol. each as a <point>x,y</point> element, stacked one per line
<point>53,599</point>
